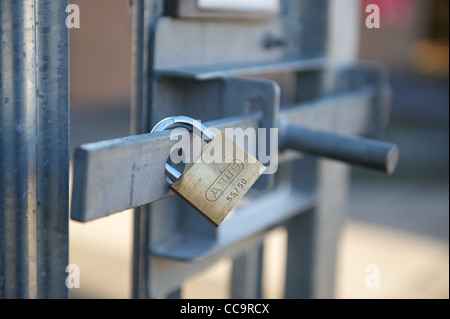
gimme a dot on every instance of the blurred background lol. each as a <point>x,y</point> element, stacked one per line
<point>400,223</point>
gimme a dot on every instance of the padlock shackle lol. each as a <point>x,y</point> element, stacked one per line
<point>189,123</point>
<point>186,122</point>
<point>172,173</point>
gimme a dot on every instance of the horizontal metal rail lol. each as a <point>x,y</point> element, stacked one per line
<point>112,176</point>
<point>221,71</point>
<point>382,156</point>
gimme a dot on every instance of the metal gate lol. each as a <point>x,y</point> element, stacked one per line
<point>289,65</point>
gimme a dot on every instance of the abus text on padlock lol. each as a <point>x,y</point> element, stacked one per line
<point>255,142</point>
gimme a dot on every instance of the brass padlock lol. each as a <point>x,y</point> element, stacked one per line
<point>213,188</point>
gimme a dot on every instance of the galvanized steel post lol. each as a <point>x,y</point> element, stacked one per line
<point>34,148</point>
<point>145,13</point>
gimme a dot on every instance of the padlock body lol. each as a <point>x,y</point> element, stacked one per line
<point>215,188</point>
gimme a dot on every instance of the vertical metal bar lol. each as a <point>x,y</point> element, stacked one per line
<point>328,223</point>
<point>137,88</point>
<point>246,280</point>
<point>301,230</point>
<point>18,118</point>
<point>34,149</point>
<point>137,118</point>
<point>304,232</point>
<point>52,39</point>
<point>176,294</point>
<point>314,19</point>
<point>300,256</point>
<point>144,13</point>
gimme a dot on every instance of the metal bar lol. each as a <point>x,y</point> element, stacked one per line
<point>355,150</point>
<point>222,71</point>
<point>207,42</point>
<point>18,118</point>
<point>258,217</point>
<point>138,88</point>
<point>116,175</point>
<point>52,39</point>
<point>167,275</point>
<point>145,13</point>
<point>247,274</point>
<point>314,18</point>
<point>176,294</point>
<point>300,256</point>
<point>34,149</point>
<point>137,118</point>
